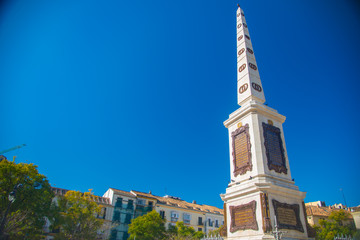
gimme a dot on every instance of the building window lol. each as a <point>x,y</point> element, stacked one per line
<point>210,222</point>
<point>216,223</point>
<point>116,216</point>
<point>162,214</point>
<point>118,202</point>
<point>187,218</point>
<point>128,219</point>
<point>200,222</point>
<point>125,236</point>
<point>141,202</point>
<point>174,216</point>
<point>130,204</point>
<point>113,234</point>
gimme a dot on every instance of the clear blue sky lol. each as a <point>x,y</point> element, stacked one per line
<point>133,94</point>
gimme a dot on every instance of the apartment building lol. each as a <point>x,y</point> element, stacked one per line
<point>129,205</point>
<point>106,215</point>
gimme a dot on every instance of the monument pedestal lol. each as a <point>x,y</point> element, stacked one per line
<point>261,188</point>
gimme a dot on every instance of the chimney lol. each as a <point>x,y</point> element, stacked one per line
<point>194,202</point>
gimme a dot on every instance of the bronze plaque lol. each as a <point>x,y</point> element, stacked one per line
<point>243,88</point>
<point>243,217</point>
<point>250,51</point>
<point>242,67</point>
<point>274,149</point>
<point>240,37</point>
<point>288,215</point>
<point>241,150</point>
<point>239,25</point>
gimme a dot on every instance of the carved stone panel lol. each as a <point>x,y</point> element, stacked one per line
<point>241,153</point>
<point>243,217</point>
<point>288,215</point>
<point>265,212</point>
<point>274,149</point>
<point>223,229</point>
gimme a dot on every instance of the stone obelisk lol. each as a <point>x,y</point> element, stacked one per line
<point>261,187</point>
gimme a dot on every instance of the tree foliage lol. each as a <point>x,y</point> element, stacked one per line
<point>147,227</point>
<point>183,232</point>
<point>328,229</point>
<point>77,218</point>
<point>25,200</point>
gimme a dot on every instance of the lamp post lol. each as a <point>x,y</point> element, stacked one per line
<point>277,234</point>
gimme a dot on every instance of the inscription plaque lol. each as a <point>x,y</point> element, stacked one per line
<point>243,217</point>
<point>274,148</point>
<point>241,150</point>
<point>288,215</point>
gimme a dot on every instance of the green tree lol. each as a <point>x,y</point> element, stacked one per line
<point>147,227</point>
<point>25,200</point>
<point>328,229</point>
<point>183,232</point>
<point>77,217</point>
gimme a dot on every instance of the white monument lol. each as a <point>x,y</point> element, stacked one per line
<point>261,187</point>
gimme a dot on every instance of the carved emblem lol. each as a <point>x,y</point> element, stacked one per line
<point>241,147</point>
<point>242,13</point>
<point>242,67</point>
<point>241,51</point>
<point>253,66</point>
<point>245,26</point>
<point>288,215</point>
<point>223,230</point>
<point>243,217</point>
<point>240,37</point>
<point>238,14</point>
<point>274,148</point>
<point>243,88</point>
<point>250,51</point>
<point>247,37</point>
<point>239,25</point>
<point>265,212</point>
<point>256,86</point>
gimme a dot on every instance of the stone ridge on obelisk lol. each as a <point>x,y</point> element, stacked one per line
<point>261,186</point>
<point>249,83</point>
